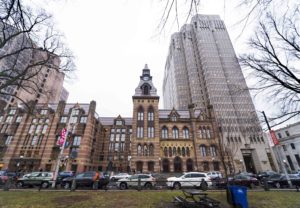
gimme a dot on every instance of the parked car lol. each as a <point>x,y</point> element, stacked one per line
<point>248,174</point>
<point>214,174</point>
<point>265,174</point>
<point>146,180</point>
<point>189,179</point>
<point>85,179</point>
<point>280,181</point>
<point>242,180</point>
<point>119,176</point>
<point>295,173</point>
<point>43,179</point>
<point>3,177</point>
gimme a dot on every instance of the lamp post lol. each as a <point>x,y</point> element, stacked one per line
<point>276,150</point>
<point>19,162</point>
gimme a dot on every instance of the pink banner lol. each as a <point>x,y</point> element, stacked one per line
<point>62,137</point>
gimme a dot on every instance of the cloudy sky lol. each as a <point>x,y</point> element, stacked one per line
<point>113,40</point>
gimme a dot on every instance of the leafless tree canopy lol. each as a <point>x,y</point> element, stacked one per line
<point>273,59</point>
<point>174,10</point>
<point>28,45</point>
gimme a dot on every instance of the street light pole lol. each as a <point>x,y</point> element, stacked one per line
<point>276,150</point>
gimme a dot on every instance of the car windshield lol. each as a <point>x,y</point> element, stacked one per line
<point>2,172</point>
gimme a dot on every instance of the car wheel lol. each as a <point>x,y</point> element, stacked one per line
<point>20,185</point>
<point>277,185</point>
<point>45,184</point>
<point>123,186</point>
<point>148,185</point>
<point>177,185</point>
<point>67,186</point>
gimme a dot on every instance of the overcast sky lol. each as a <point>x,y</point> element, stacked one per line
<point>113,40</point>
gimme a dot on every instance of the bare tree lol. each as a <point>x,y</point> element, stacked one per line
<point>173,12</point>
<point>274,60</point>
<point>29,46</point>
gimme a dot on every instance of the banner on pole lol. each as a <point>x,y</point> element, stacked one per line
<point>62,137</point>
<point>274,138</point>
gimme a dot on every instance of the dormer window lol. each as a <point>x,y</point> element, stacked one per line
<point>173,118</point>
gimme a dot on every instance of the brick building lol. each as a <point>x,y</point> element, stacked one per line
<point>153,140</point>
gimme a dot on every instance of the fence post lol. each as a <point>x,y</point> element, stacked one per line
<point>73,185</point>
<point>139,184</point>
<point>6,185</point>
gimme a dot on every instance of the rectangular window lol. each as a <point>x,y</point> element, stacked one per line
<point>44,129</point>
<point>83,119</point>
<point>9,119</point>
<point>293,146</point>
<point>8,140</point>
<point>122,147</point>
<point>19,119</point>
<point>287,133</point>
<point>47,120</point>
<point>116,147</point>
<point>150,116</point>
<point>34,120</point>
<point>298,159</point>
<point>76,141</point>
<point>122,137</point>
<point>38,129</point>
<point>73,119</point>
<point>75,112</point>
<point>1,117</point>
<point>279,135</point>
<point>44,112</point>
<point>284,147</point>
<point>12,112</point>
<point>140,132</point>
<point>150,132</point>
<point>31,129</point>
<point>140,116</point>
<point>63,119</point>
<point>34,140</point>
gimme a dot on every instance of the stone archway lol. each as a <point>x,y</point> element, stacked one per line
<point>165,165</point>
<point>177,164</point>
<point>189,165</point>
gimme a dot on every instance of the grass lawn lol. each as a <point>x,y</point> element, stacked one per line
<point>124,199</point>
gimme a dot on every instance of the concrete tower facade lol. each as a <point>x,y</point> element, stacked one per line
<point>202,69</point>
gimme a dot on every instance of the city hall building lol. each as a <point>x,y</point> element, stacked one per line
<point>152,140</point>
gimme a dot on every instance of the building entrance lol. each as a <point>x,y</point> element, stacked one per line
<point>177,164</point>
<point>249,164</point>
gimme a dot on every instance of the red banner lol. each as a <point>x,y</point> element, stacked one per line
<point>62,137</point>
<point>274,138</point>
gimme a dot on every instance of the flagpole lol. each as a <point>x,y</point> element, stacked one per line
<point>60,155</point>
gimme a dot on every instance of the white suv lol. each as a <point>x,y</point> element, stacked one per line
<point>214,174</point>
<point>189,179</point>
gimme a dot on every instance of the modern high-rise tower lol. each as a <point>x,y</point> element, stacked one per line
<point>202,69</point>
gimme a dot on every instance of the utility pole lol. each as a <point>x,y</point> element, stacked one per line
<point>276,150</point>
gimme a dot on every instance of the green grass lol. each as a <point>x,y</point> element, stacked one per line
<point>115,199</point>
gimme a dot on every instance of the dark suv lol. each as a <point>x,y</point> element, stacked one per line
<point>85,179</point>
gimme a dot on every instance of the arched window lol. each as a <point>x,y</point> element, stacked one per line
<point>145,150</point>
<point>174,151</point>
<point>213,150</point>
<point>139,150</point>
<point>164,133</point>
<point>170,151</point>
<point>208,133</point>
<point>200,133</point>
<point>178,151</point>
<point>140,132</point>
<point>146,89</point>
<point>151,150</point>
<point>183,152</point>
<point>186,132</point>
<point>203,150</point>
<point>166,152</point>
<point>175,132</point>
<point>140,114</point>
<point>187,152</point>
<point>204,133</point>
<point>150,114</point>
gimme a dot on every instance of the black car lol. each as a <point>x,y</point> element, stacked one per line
<point>280,181</point>
<point>86,179</point>
<point>262,175</point>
